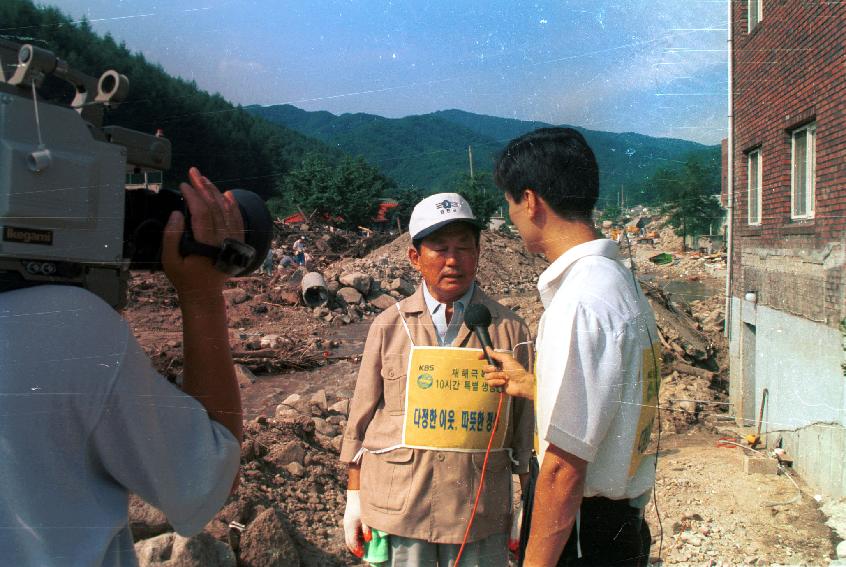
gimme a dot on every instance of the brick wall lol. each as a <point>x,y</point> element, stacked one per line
<point>791,70</point>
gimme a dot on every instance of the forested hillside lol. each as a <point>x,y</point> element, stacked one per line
<point>228,144</point>
<point>429,151</point>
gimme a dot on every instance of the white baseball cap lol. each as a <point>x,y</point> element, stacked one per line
<point>438,210</point>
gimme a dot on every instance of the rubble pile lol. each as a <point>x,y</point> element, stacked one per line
<point>694,369</point>
<point>288,507</point>
<point>328,244</point>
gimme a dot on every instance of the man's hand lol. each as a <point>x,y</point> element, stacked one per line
<point>214,217</point>
<point>356,532</point>
<point>511,376</point>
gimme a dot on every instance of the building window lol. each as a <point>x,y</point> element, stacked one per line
<point>753,200</point>
<point>754,13</point>
<point>804,169</point>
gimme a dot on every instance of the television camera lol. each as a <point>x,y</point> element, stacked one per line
<point>81,203</point>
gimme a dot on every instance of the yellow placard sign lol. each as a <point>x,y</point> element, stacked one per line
<point>651,373</point>
<point>448,404</point>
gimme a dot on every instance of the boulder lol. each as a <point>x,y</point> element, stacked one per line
<point>266,543</point>
<point>285,411</point>
<point>350,295</point>
<point>358,280</point>
<point>342,407</point>
<point>235,295</point>
<point>173,550</point>
<point>402,286</point>
<point>145,520</point>
<point>295,469</point>
<point>383,301</point>
<point>284,453</point>
<point>323,427</point>
<point>319,399</point>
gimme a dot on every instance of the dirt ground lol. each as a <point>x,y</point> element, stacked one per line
<point>706,511</point>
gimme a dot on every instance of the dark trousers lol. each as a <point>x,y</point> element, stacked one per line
<point>610,533</point>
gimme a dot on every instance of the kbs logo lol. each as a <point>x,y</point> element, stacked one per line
<point>27,235</point>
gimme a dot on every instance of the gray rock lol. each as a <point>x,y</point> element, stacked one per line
<point>266,543</point>
<point>292,400</point>
<point>358,280</point>
<point>285,411</point>
<point>342,407</point>
<point>323,427</point>
<point>296,469</point>
<point>156,550</point>
<point>383,301</point>
<point>336,442</point>
<point>402,286</point>
<point>284,453</point>
<point>173,550</point>
<point>235,295</point>
<point>350,295</point>
<point>319,399</point>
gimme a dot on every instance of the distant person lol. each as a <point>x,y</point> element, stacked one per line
<point>421,498</point>
<point>641,225</point>
<point>597,376</point>
<point>299,251</point>
<point>86,420</point>
<point>267,266</point>
<point>286,261</point>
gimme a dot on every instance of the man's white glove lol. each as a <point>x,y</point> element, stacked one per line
<point>355,531</point>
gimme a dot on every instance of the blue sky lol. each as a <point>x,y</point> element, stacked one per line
<point>656,67</point>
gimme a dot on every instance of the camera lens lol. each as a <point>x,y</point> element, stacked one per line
<point>147,213</point>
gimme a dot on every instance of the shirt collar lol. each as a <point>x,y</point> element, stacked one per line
<point>549,279</point>
<point>433,304</point>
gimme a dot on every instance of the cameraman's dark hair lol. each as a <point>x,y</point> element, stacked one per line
<point>557,164</point>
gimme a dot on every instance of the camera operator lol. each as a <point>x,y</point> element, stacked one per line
<point>85,419</point>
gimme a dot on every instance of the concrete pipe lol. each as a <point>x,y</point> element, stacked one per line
<point>314,290</point>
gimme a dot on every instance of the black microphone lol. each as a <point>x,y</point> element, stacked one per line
<point>478,319</point>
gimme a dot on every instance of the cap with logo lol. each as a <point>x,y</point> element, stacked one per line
<point>436,211</point>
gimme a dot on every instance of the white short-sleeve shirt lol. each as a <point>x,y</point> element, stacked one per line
<point>596,331</point>
<point>84,420</point>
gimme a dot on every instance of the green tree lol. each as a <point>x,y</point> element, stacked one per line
<point>687,196</point>
<point>359,187</point>
<point>350,190</point>
<point>484,197</point>
<point>310,186</point>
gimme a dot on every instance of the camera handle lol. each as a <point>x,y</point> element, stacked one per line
<point>232,257</point>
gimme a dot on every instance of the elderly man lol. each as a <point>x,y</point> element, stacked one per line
<point>422,415</point>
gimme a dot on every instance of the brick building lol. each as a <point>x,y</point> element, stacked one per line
<point>787,320</point>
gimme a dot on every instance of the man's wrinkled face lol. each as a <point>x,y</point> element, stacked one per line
<point>447,261</point>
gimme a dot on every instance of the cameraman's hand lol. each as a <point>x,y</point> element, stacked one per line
<point>214,217</point>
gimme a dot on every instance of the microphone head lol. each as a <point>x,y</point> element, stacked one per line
<point>477,315</point>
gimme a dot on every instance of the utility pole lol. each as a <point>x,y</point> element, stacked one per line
<point>470,155</point>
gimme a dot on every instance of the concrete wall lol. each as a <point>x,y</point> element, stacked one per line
<point>799,362</point>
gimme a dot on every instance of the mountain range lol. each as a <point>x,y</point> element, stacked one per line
<point>428,151</point>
